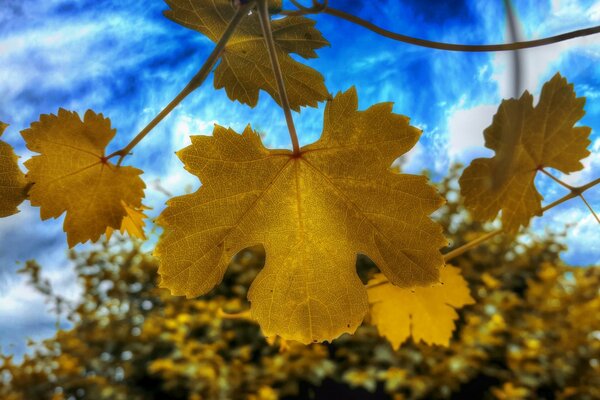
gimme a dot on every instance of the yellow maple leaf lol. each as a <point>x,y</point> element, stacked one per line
<point>72,174</point>
<point>133,222</point>
<point>245,67</point>
<point>12,180</point>
<point>545,137</point>
<point>312,212</point>
<point>426,313</point>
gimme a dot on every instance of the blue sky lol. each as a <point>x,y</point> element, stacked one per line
<point>126,60</point>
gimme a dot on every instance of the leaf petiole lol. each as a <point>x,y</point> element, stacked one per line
<point>265,24</point>
<point>192,85</point>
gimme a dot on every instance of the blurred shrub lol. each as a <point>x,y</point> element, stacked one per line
<point>533,333</point>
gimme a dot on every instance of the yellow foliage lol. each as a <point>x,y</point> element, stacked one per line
<point>532,330</point>
<point>133,223</point>
<point>72,175</point>
<point>544,137</point>
<point>426,313</point>
<point>312,213</point>
<point>12,180</point>
<point>245,67</point>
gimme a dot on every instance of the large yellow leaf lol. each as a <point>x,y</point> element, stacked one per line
<point>313,213</point>
<point>426,313</point>
<point>245,67</point>
<point>545,137</point>
<point>72,174</point>
<point>12,180</point>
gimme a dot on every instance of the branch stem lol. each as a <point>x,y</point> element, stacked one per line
<point>472,244</point>
<point>460,47</point>
<point>555,179</point>
<point>589,207</point>
<point>192,85</point>
<point>575,192</point>
<point>265,24</point>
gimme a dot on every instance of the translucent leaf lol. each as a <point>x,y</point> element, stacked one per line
<point>313,213</point>
<point>543,136</point>
<point>426,313</point>
<point>245,66</point>
<point>133,223</point>
<point>72,175</point>
<point>12,180</point>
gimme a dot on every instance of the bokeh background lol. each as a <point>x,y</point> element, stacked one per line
<point>126,60</point>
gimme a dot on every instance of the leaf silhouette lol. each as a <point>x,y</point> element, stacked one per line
<point>546,138</point>
<point>12,180</point>
<point>426,313</point>
<point>72,174</point>
<point>245,67</point>
<point>312,213</point>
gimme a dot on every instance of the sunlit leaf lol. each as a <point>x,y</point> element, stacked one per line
<point>547,138</point>
<point>313,213</point>
<point>72,175</point>
<point>425,313</point>
<point>12,180</point>
<point>245,67</point>
<point>133,223</point>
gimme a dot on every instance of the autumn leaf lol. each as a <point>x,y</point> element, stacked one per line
<point>245,67</point>
<point>72,174</point>
<point>426,313</point>
<point>133,222</point>
<point>546,138</point>
<point>12,180</point>
<point>312,212</point>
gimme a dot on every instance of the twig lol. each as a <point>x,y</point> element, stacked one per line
<point>265,24</point>
<point>575,192</point>
<point>459,47</point>
<point>555,179</point>
<point>469,245</point>
<point>193,84</point>
<point>589,207</point>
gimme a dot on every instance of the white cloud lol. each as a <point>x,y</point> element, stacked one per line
<point>465,130</point>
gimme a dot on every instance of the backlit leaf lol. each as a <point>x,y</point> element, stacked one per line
<point>426,313</point>
<point>12,180</point>
<point>546,138</point>
<point>133,223</point>
<point>245,67</point>
<point>72,174</point>
<point>313,213</point>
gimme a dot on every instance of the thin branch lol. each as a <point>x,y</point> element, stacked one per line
<point>459,47</point>
<point>193,84</point>
<point>555,179</point>
<point>469,245</point>
<point>246,314</point>
<point>575,192</point>
<point>265,24</point>
<point>303,10</point>
<point>589,207</point>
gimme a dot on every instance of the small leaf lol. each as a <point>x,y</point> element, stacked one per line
<point>133,223</point>
<point>12,180</point>
<point>426,313</point>
<point>546,137</point>
<point>245,66</point>
<point>312,212</point>
<point>72,174</point>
